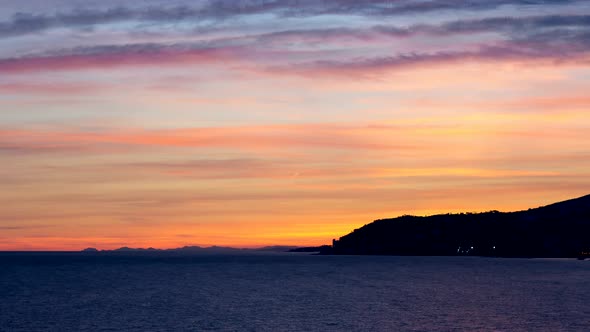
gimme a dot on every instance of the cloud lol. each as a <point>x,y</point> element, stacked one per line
<point>414,7</point>
<point>572,48</point>
<point>512,26</point>
<point>49,88</point>
<point>22,227</point>
<point>27,23</point>
<point>549,37</point>
<point>242,168</point>
<point>277,137</point>
<point>108,56</point>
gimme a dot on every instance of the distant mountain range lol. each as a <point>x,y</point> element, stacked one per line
<point>557,230</point>
<point>194,249</point>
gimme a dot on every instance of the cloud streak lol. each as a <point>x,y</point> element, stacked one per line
<point>109,56</point>
<point>27,23</point>
<point>550,37</point>
<point>507,25</point>
<point>55,88</point>
<point>403,139</point>
<point>369,67</point>
<point>247,137</point>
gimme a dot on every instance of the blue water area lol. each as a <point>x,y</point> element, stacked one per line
<point>290,292</point>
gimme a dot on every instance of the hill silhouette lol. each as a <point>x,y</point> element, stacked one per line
<point>557,230</point>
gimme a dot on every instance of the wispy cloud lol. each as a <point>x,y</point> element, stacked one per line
<point>572,48</point>
<point>550,37</point>
<point>251,137</point>
<point>26,23</point>
<point>108,56</point>
<point>506,25</point>
<point>52,88</point>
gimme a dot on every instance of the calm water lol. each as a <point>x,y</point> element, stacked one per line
<point>282,292</point>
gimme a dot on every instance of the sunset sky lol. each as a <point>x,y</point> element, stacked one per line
<point>262,122</point>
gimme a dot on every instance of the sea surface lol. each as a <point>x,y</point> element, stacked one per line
<point>290,292</point>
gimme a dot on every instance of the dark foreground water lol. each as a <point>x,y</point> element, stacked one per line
<point>282,292</point>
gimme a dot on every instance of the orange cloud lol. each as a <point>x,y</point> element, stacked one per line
<point>251,137</point>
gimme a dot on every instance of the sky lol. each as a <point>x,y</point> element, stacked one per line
<point>263,122</point>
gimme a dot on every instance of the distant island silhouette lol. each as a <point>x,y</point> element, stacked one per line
<point>192,249</point>
<point>557,230</point>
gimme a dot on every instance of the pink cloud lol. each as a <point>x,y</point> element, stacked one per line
<point>117,56</point>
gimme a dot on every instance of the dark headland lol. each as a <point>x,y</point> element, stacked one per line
<point>557,230</point>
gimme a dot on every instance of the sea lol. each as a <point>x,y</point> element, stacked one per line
<point>290,292</point>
